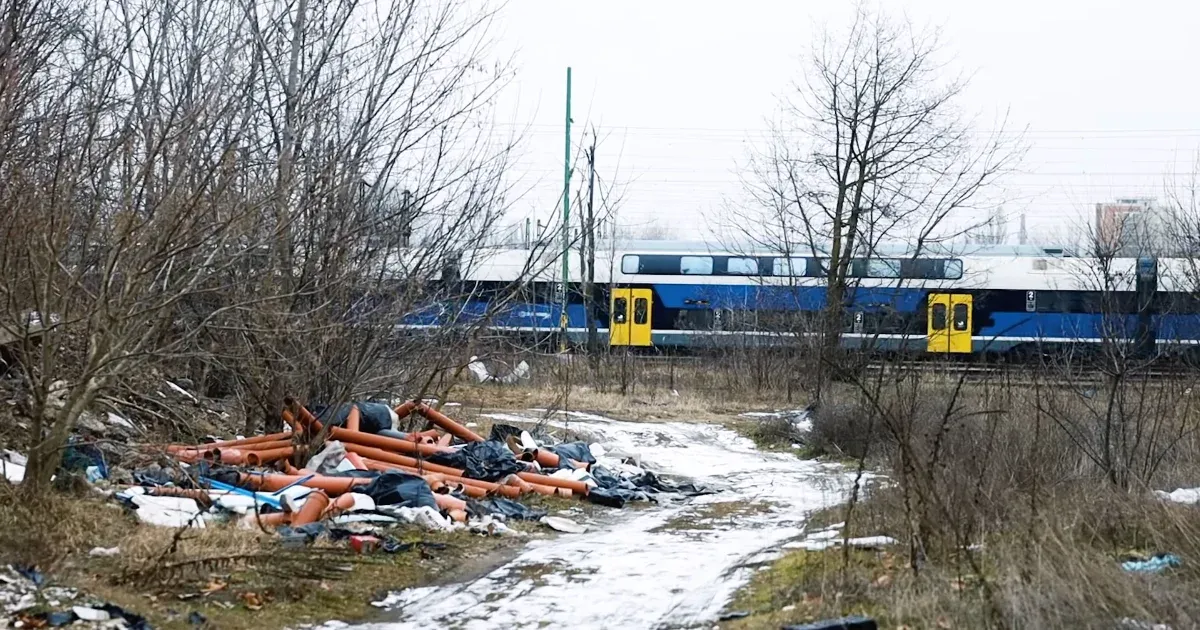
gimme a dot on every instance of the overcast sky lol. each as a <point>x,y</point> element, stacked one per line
<point>678,90</point>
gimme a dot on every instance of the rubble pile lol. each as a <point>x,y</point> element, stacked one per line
<point>366,476</point>
<point>29,602</point>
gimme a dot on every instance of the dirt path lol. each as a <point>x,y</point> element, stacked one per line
<point>667,566</point>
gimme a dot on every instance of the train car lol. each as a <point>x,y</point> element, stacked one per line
<point>978,300</point>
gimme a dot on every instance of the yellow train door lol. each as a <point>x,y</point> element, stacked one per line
<point>618,318</point>
<point>949,323</point>
<point>629,317</point>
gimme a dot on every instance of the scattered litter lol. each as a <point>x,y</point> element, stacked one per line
<point>167,511</point>
<point>733,614</point>
<point>104,552</point>
<point>12,466</point>
<point>1133,624</point>
<point>826,542</point>
<point>1189,496</point>
<point>182,392</point>
<point>1157,563</point>
<point>564,525</point>
<point>481,373</point>
<point>90,614</point>
<point>845,623</point>
<point>504,507</point>
<point>196,619</point>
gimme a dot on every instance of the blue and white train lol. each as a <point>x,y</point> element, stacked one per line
<point>994,300</point>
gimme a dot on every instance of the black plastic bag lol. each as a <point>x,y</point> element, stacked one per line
<point>577,451</point>
<point>373,417</point>
<point>610,497</point>
<point>501,432</point>
<point>399,488</point>
<point>504,507</point>
<point>489,460</point>
<point>604,477</point>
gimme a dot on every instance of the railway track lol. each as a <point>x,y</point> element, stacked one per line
<point>1016,374</point>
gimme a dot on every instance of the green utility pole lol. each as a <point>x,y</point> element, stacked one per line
<point>566,223</point>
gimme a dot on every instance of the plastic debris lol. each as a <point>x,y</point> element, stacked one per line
<point>90,614</point>
<point>401,489</point>
<point>488,460</point>
<point>844,623</point>
<point>104,552</point>
<point>564,525</point>
<point>506,508</point>
<point>1189,496</point>
<point>1157,563</point>
<point>12,466</point>
<point>167,511</point>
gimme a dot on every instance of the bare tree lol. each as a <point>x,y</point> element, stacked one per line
<point>121,125</point>
<point>870,146</point>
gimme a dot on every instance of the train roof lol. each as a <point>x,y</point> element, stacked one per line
<point>896,249</point>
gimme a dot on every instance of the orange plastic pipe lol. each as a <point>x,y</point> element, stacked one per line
<point>384,442</point>
<point>401,460</point>
<point>312,509</point>
<point>458,516</point>
<point>272,482</point>
<point>292,470</point>
<point>274,437</point>
<point>450,426</point>
<point>578,487</point>
<point>274,519</point>
<point>356,460</point>
<point>353,418</point>
<point>258,458</point>
<point>447,502</point>
<point>341,504</point>
<point>405,408</point>
<point>291,421</point>
<point>230,456</point>
<point>419,436</point>
<point>308,419</point>
<point>445,440</point>
<point>473,487</point>
<point>265,446</point>
<point>546,458</point>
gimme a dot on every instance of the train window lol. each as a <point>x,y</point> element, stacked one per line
<point>641,311</point>
<point>790,267</point>
<point>960,316</point>
<point>883,268</point>
<point>650,264</point>
<point>620,310</point>
<point>939,317</point>
<point>818,267</point>
<point>952,269</point>
<point>741,266</point>
<point>696,265</point>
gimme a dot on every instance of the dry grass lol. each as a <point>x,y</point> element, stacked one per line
<point>1014,506</point>
<point>236,578</point>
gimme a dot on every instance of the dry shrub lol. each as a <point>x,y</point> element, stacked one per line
<point>845,428</point>
<point>1037,491</point>
<point>45,530</point>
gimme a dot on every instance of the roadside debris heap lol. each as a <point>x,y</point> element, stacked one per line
<point>355,468</point>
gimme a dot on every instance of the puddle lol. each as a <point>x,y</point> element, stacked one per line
<point>669,566</point>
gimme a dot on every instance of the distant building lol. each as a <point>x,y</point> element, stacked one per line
<point>1130,227</point>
